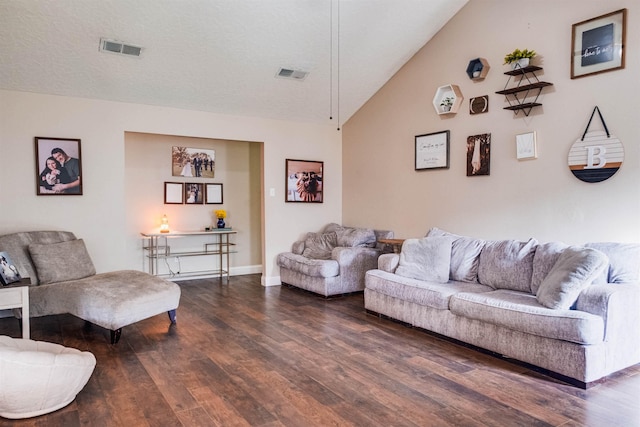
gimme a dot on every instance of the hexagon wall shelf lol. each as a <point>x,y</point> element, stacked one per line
<point>447,91</point>
<point>478,69</point>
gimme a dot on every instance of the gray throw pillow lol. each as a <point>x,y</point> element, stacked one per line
<point>574,270</point>
<point>426,259</point>
<point>465,255</point>
<point>543,261</point>
<point>507,264</point>
<point>319,246</point>
<point>59,262</point>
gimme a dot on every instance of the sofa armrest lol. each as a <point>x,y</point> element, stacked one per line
<point>388,262</point>
<point>617,304</point>
<point>354,262</point>
<point>298,247</point>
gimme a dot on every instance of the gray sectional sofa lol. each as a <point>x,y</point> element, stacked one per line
<point>63,279</point>
<point>572,311</point>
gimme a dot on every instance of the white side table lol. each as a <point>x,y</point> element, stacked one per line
<point>17,297</point>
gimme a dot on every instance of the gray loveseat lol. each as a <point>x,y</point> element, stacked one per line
<point>333,261</point>
<point>572,311</point>
<point>63,280</point>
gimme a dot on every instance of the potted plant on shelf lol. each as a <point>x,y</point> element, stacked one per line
<point>446,103</point>
<point>519,58</point>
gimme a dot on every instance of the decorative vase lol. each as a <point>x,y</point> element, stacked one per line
<point>520,63</point>
<point>220,223</point>
<point>446,108</point>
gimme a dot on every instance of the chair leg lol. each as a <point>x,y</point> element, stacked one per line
<point>172,316</point>
<point>115,335</point>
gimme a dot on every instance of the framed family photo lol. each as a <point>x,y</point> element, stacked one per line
<point>304,181</point>
<point>598,44</point>
<point>58,167</point>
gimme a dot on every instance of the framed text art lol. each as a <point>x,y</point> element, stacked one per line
<point>58,167</point>
<point>598,44</point>
<point>526,146</point>
<point>432,151</point>
<point>304,181</point>
<point>173,193</point>
<point>213,194</point>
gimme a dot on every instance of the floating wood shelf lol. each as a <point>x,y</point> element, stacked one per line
<point>524,95</point>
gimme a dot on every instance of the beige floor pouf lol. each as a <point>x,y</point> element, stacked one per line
<point>39,377</point>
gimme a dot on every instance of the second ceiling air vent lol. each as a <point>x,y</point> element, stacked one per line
<point>113,46</point>
<point>288,73</point>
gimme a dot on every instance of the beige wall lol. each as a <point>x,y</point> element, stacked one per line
<point>520,199</point>
<point>102,215</point>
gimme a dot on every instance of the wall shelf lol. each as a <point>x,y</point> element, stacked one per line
<point>524,95</point>
<point>478,69</point>
<point>447,91</point>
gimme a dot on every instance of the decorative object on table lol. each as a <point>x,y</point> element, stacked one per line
<point>449,96</point>
<point>193,162</point>
<point>164,224</point>
<point>193,193</point>
<point>519,58</point>
<point>478,154</point>
<point>58,167</point>
<point>597,155</point>
<point>304,181</point>
<point>221,214</point>
<point>598,44</point>
<point>479,105</point>
<point>478,69</point>
<point>526,146</point>
<point>524,95</point>
<point>8,271</point>
<point>213,194</point>
<point>432,151</point>
<point>173,193</point>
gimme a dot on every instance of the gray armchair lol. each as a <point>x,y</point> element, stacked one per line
<point>333,261</point>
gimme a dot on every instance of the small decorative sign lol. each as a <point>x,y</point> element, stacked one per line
<point>432,151</point>
<point>479,105</point>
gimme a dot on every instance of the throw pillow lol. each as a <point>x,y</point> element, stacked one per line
<point>543,261</point>
<point>574,270</point>
<point>465,254</point>
<point>507,264</point>
<point>60,262</point>
<point>426,259</point>
<point>319,246</point>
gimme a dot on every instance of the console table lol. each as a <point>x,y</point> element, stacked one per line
<point>214,243</point>
<point>17,297</point>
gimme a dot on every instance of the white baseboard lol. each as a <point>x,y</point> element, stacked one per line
<point>270,281</point>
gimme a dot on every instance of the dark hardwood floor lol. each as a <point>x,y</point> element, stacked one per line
<point>245,355</point>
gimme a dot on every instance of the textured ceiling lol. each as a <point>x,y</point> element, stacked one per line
<point>217,55</point>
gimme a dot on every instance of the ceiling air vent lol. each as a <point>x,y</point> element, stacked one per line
<point>288,73</point>
<point>112,46</point>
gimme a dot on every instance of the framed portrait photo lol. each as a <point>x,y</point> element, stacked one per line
<point>304,181</point>
<point>598,44</point>
<point>432,151</point>
<point>58,167</point>
<point>193,193</point>
<point>213,194</point>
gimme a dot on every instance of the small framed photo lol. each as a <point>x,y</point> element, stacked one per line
<point>598,44</point>
<point>193,193</point>
<point>8,271</point>
<point>58,167</point>
<point>304,181</point>
<point>526,146</point>
<point>173,193</point>
<point>213,194</point>
<point>432,151</point>
<point>478,154</point>
<point>193,162</point>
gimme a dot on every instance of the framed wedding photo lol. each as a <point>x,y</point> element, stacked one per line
<point>193,193</point>
<point>304,181</point>
<point>598,44</point>
<point>58,167</point>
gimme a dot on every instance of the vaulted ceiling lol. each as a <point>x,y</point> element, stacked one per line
<point>219,56</point>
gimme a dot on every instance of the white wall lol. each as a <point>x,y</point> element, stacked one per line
<point>100,215</point>
<point>520,199</point>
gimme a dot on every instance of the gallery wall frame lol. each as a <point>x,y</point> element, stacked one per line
<point>304,181</point>
<point>173,193</point>
<point>58,166</point>
<point>432,150</point>
<point>213,194</point>
<point>598,44</point>
<point>194,193</point>
<point>479,154</point>
<point>526,148</point>
<point>193,162</point>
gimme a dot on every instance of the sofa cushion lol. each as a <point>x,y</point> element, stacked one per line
<point>60,262</point>
<point>624,262</point>
<point>543,261</point>
<point>426,259</point>
<point>520,311</point>
<point>308,266</point>
<point>575,269</point>
<point>465,253</point>
<point>319,245</point>
<point>352,236</point>
<point>507,264</point>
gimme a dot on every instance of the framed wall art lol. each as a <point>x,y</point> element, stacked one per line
<point>432,151</point>
<point>526,146</point>
<point>598,44</point>
<point>193,193</point>
<point>478,154</point>
<point>213,194</point>
<point>304,181</point>
<point>173,193</point>
<point>58,167</point>
<point>193,162</point>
